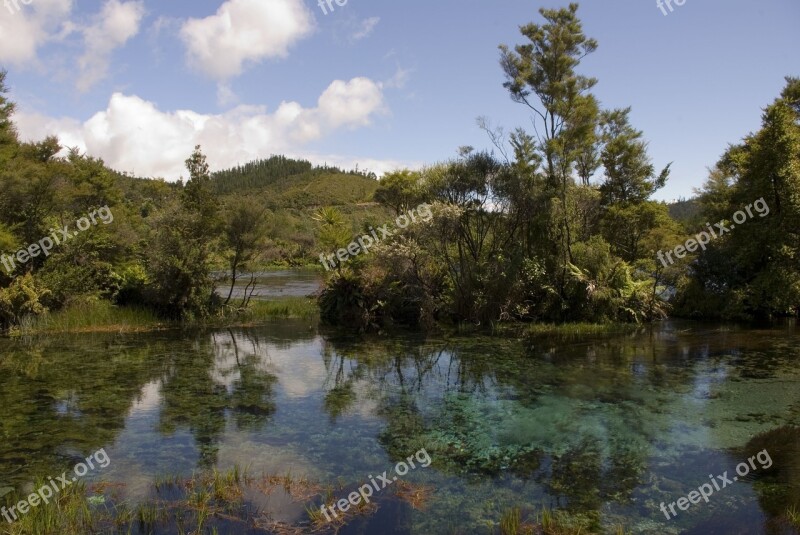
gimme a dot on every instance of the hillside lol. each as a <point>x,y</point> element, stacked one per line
<point>286,183</point>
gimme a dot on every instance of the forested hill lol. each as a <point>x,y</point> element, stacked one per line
<point>287,183</point>
<point>687,211</point>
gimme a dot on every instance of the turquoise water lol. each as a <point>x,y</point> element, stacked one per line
<point>605,428</point>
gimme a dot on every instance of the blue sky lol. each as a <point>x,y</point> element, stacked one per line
<point>381,84</point>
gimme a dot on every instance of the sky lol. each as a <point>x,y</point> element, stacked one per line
<point>378,84</point>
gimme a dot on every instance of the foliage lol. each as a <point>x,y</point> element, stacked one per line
<point>22,298</point>
<point>400,190</point>
<point>558,225</point>
<point>753,271</point>
<point>530,236</point>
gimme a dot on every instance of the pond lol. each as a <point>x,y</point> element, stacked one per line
<point>272,284</point>
<point>607,428</point>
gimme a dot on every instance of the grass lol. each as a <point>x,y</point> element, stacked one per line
<point>576,330</point>
<point>511,521</point>
<point>185,505</point>
<point>97,316</point>
<point>204,503</point>
<point>91,316</point>
<point>793,516</point>
<point>287,307</point>
<point>548,522</point>
<point>68,513</point>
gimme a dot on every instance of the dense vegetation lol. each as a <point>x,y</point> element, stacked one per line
<point>163,242</point>
<point>558,224</point>
<point>554,225</point>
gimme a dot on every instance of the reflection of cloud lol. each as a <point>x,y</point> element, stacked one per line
<point>149,399</point>
<point>298,367</point>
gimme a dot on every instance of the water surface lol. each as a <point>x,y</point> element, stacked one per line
<point>607,427</point>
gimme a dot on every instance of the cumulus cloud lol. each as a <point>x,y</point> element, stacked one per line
<point>244,31</point>
<point>23,32</point>
<point>112,28</point>
<point>377,166</point>
<point>133,135</point>
<point>367,26</point>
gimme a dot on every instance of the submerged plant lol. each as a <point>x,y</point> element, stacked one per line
<point>510,522</point>
<point>793,516</point>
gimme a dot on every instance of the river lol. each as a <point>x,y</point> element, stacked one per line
<point>608,427</point>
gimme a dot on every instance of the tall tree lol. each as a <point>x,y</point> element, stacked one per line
<point>8,133</point>
<point>244,234</point>
<point>544,69</point>
<point>629,172</point>
<point>541,74</point>
<point>752,270</point>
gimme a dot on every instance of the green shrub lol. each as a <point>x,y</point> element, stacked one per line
<point>22,298</point>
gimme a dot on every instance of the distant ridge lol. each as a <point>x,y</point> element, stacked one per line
<point>289,183</point>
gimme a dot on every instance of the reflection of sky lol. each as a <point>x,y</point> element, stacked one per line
<point>273,284</point>
<point>298,366</point>
<point>677,406</point>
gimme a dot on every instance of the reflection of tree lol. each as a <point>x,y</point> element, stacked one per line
<point>251,396</point>
<point>569,419</point>
<point>340,396</point>
<point>63,399</point>
<point>196,396</point>
<point>778,487</point>
<point>192,399</point>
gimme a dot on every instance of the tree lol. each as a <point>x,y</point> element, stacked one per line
<point>399,190</point>
<point>244,233</point>
<point>184,234</point>
<point>198,195</point>
<point>544,69</point>
<point>629,172</point>
<point>334,233</point>
<point>8,133</point>
<point>541,74</point>
<point>753,270</point>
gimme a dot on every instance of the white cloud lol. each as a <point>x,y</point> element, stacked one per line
<point>226,95</point>
<point>379,167</point>
<point>399,79</point>
<point>112,28</point>
<point>367,26</point>
<point>24,31</point>
<point>133,135</point>
<point>244,31</point>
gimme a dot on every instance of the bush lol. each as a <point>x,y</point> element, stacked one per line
<point>22,298</point>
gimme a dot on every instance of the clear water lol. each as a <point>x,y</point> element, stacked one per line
<point>607,427</point>
<point>273,284</point>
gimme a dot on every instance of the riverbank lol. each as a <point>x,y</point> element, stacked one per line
<point>103,316</point>
<point>99,316</point>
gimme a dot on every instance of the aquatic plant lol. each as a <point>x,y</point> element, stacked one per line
<point>793,516</point>
<point>510,521</point>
